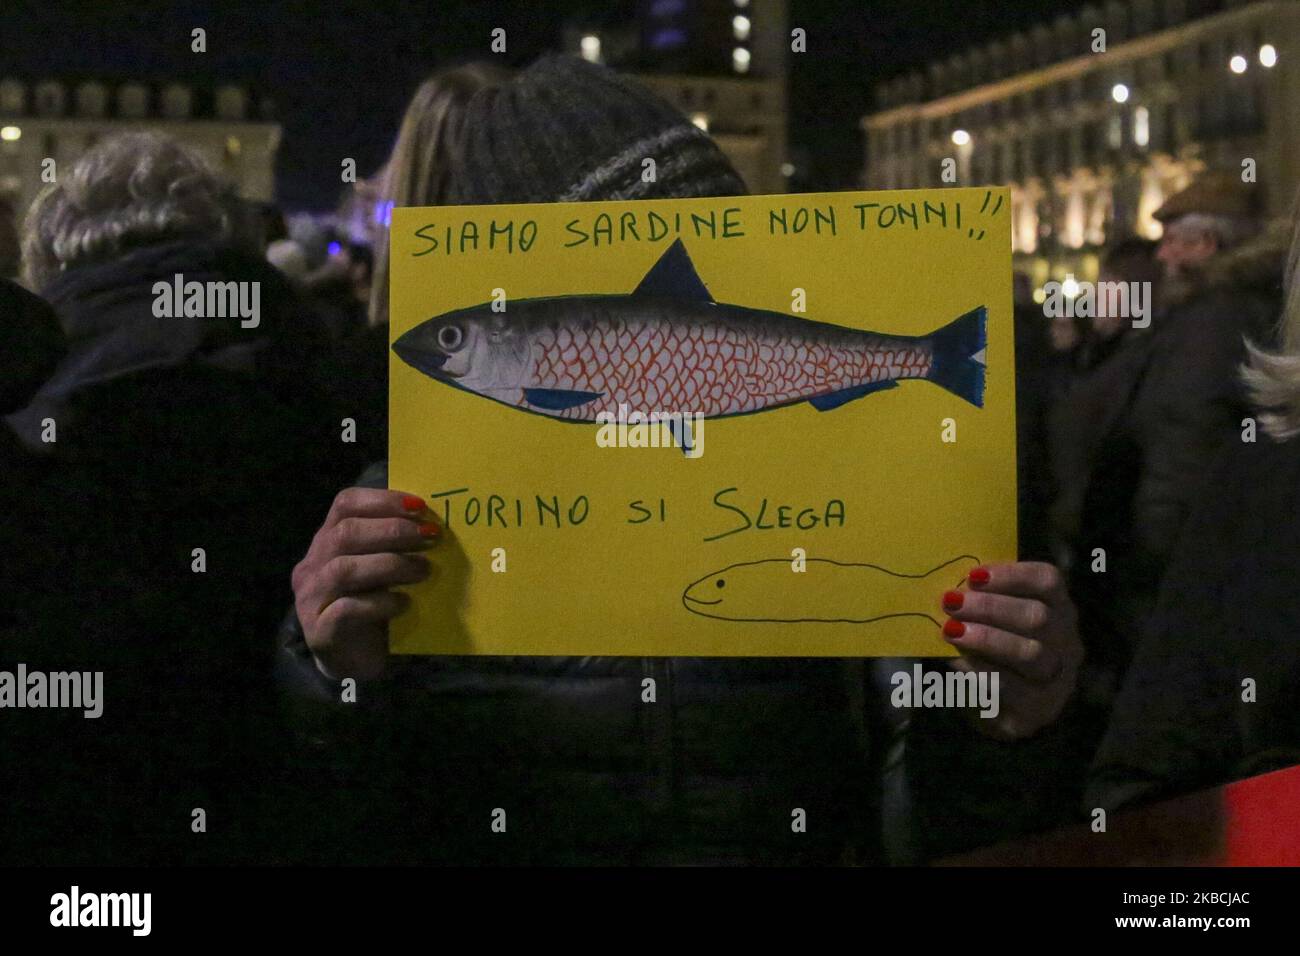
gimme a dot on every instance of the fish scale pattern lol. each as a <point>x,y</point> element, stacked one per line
<point>710,369</point>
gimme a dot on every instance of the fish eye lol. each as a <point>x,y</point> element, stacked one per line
<point>722,583</point>
<point>451,337</point>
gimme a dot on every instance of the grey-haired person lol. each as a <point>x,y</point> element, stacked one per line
<point>160,435</point>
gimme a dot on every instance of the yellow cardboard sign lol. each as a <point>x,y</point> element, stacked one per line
<point>833,436</point>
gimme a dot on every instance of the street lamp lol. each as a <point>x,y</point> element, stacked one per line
<point>10,134</point>
<point>960,137</point>
<point>1119,93</point>
<point>1238,64</point>
<point>1268,56</point>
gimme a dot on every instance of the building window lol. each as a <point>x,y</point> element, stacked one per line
<point>1091,146</point>
<point>1141,127</point>
<point>1173,133</point>
<point>1244,109</point>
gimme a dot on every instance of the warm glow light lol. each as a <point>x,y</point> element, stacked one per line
<point>740,27</point>
<point>1040,295</point>
<point>960,137</point>
<point>10,133</point>
<point>1152,198</point>
<point>1141,126</point>
<point>1069,286</point>
<point>1072,235</point>
<point>1238,64</point>
<point>701,120</point>
<point>740,59</point>
<point>1119,93</point>
<point>1268,56</point>
<point>591,48</point>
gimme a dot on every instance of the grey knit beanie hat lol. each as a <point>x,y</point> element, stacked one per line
<point>565,130</point>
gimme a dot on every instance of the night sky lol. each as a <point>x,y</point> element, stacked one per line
<point>339,72</point>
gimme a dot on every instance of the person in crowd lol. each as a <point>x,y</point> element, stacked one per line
<point>1097,465</point>
<point>1211,693</point>
<point>1153,406</point>
<point>1222,285</point>
<point>429,140</point>
<point>34,346</point>
<point>1131,263</point>
<point>339,290</point>
<point>289,258</point>
<point>173,436</point>
<point>10,257</point>
<point>416,174</point>
<point>273,226</point>
<point>588,771</point>
<point>1037,371</point>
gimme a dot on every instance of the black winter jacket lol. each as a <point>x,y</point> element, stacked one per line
<point>1132,439</point>
<point>1186,719</point>
<point>172,434</point>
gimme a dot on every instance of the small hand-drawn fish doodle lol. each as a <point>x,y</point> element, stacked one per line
<point>826,591</point>
<point>668,347</point>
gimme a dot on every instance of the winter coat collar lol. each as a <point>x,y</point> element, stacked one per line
<point>107,313</point>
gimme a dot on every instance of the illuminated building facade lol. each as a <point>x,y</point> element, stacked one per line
<point>1091,143</point>
<point>721,62</point>
<point>51,119</point>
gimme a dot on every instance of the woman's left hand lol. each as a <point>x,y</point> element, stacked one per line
<point>1017,619</point>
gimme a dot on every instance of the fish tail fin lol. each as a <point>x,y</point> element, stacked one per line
<point>956,356</point>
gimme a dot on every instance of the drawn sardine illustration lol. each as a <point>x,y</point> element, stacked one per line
<point>826,591</point>
<point>668,347</point>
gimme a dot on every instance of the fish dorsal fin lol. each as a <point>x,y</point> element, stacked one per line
<point>674,277</point>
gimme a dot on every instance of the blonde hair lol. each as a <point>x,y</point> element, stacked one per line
<point>127,191</point>
<point>1273,378</point>
<point>427,154</point>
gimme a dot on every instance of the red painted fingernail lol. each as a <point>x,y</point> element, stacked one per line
<point>953,628</point>
<point>413,504</point>
<point>979,576</point>
<point>429,530</point>
<point>952,600</point>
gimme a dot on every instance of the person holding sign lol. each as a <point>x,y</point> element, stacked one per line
<point>636,759</point>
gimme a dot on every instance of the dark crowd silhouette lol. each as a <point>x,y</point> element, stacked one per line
<point>1166,447</point>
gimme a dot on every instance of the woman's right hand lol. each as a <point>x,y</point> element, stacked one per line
<point>370,542</point>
